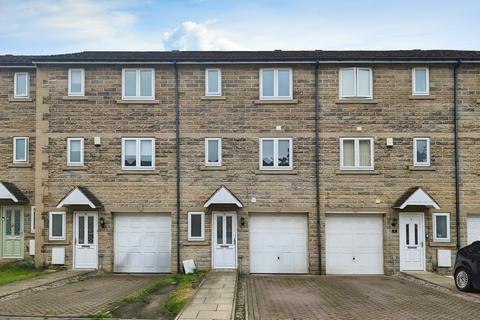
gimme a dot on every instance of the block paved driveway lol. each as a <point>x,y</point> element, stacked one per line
<point>83,298</point>
<point>349,297</point>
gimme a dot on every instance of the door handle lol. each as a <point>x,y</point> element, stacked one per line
<point>353,258</point>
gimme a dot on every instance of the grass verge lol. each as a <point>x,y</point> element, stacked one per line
<point>17,271</point>
<point>184,291</point>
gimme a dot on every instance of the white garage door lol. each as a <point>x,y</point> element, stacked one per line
<point>278,243</point>
<point>142,242</point>
<point>473,228</point>
<point>354,244</point>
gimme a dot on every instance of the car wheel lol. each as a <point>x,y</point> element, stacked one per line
<point>463,280</point>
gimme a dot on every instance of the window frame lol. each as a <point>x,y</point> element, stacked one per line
<point>275,154</point>
<point>27,142</point>
<point>356,83</point>
<point>82,83</point>
<point>275,85</point>
<point>202,237</point>
<point>137,84</point>
<point>414,81</point>
<point>356,152</point>
<point>415,162</point>
<point>219,150</point>
<point>219,79</point>
<point>27,85</point>
<point>138,154</point>
<point>32,219</point>
<point>69,162</point>
<point>434,226</point>
<point>64,225</point>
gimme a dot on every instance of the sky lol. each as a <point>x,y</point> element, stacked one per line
<point>62,26</point>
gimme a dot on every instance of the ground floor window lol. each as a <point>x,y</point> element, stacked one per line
<point>57,226</point>
<point>196,226</point>
<point>441,227</point>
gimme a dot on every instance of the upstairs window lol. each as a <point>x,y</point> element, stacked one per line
<point>20,150</point>
<point>138,154</point>
<point>76,82</point>
<point>441,227</point>
<point>20,85</point>
<point>276,154</point>
<point>138,84</point>
<point>276,84</point>
<point>356,83</point>
<point>421,152</point>
<point>213,82</point>
<point>356,154</point>
<point>213,152</point>
<point>75,151</point>
<point>420,82</point>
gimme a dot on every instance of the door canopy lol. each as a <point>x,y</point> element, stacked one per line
<point>80,196</point>
<point>223,196</point>
<point>8,191</point>
<point>416,196</point>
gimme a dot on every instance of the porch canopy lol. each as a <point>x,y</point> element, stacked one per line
<point>80,196</point>
<point>416,196</point>
<point>10,192</point>
<point>223,196</point>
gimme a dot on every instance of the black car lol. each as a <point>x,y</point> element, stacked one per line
<point>467,267</point>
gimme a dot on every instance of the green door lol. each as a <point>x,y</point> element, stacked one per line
<point>12,229</point>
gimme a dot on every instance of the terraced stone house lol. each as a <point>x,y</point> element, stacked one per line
<point>336,162</point>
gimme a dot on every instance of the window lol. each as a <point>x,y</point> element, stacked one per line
<point>20,149</point>
<point>57,226</point>
<point>196,226</point>
<point>76,82</point>
<point>276,84</point>
<point>32,219</point>
<point>420,82</point>
<point>213,82</point>
<point>20,85</point>
<point>356,83</point>
<point>441,227</point>
<point>138,154</point>
<point>75,151</point>
<point>276,154</point>
<point>138,84</point>
<point>356,153</point>
<point>213,152</point>
<point>421,152</point>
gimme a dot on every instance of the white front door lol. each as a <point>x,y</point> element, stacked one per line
<point>412,242</point>
<point>224,240</point>
<point>473,228</point>
<point>85,240</point>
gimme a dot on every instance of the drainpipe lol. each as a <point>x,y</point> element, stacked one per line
<point>317,163</point>
<point>177,159</point>
<point>457,165</point>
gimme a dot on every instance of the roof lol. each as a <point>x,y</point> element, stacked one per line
<point>415,196</point>
<point>11,60</point>
<point>80,196</point>
<point>9,191</point>
<point>223,196</point>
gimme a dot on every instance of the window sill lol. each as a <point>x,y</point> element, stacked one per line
<point>195,243</point>
<point>286,101</point>
<point>421,98</point>
<point>137,172</point>
<point>20,165</point>
<point>357,172</point>
<point>75,98</point>
<point>75,168</point>
<point>441,244</point>
<point>137,101</point>
<point>356,101</point>
<point>420,168</point>
<point>211,168</point>
<point>276,172</point>
<point>20,100</point>
<point>213,98</point>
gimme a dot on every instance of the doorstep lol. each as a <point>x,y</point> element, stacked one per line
<point>433,278</point>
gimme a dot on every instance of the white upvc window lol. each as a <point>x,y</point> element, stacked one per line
<point>20,85</point>
<point>356,154</point>
<point>138,84</point>
<point>76,82</point>
<point>421,152</point>
<point>356,82</point>
<point>276,153</point>
<point>276,84</point>
<point>75,151</point>
<point>213,151</point>
<point>420,82</point>
<point>20,149</point>
<point>196,226</point>
<point>57,225</point>
<point>213,82</point>
<point>441,227</point>
<point>32,219</point>
<point>138,153</point>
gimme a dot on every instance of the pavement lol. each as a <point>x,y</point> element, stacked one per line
<point>353,297</point>
<point>434,278</point>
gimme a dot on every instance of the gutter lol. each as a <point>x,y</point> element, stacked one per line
<point>317,164</point>
<point>456,144</point>
<point>177,160</point>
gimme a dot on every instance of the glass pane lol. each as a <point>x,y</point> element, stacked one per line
<point>267,153</point>
<point>420,80</point>
<point>75,151</point>
<point>348,153</point>
<point>441,226</point>
<point>213,151</point>
<point>348,82</point>
<point>130,153</point>
<point>422,154</point>
<point>363,78</point>
<point>229,230</point>
<point>283,153</point>
<point>196,225</point>
<point>219,229</point>
<point>416,234</point>
<point>81,230</point>
<point>267,83</point>
<point>365,153</point>
<point>21,84</point>
<point>20,154</point>
<point>284,83</point>
<point>146,157</point>
<point>407,229</point>
<point>57,225</point>
<point>17,223</point>
<point>130,83</point>
<point>90,229</point>
<point>76,81</point>
<point>146,83</point>
<point>213,81</point>
<point>8,222</point>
